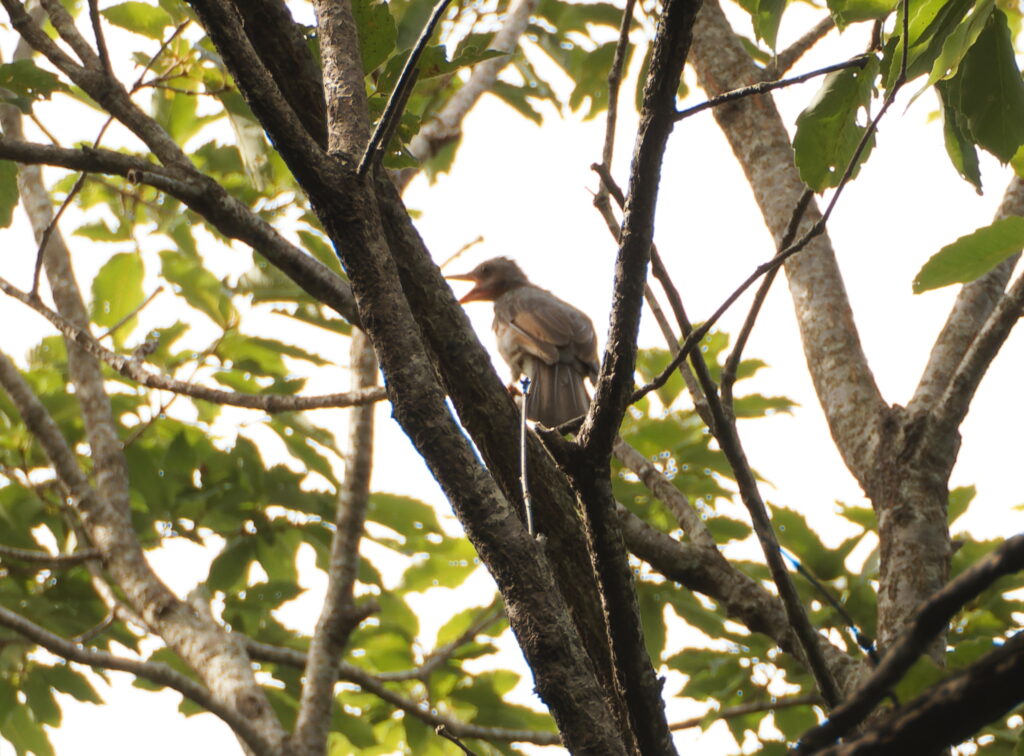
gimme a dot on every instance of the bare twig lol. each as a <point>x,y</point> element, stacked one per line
<point>767,86</point>
<point>444,733</point>
<point>749,708</point>
<point>614,83</point>
<point>131,368</point>
<point>97,30</point>
<point>785,59</point>
<point>120,323</point>
<point>393,110</point>
<point>372,684</point>
<point>931,620</point>
<point>733,362</point>
<point>45,559</point>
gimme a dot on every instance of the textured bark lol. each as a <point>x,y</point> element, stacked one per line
<point>351,215</point>
<point>339,614</point>
<point>842,379</point>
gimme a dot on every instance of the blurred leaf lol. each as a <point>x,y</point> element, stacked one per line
<point>377,32</point>
<point>959,499</point>
<point>117,292</point>
<point>26,82</point>
<point>8,191</point>
<point>971,256</point>
<point>846,12</point>
<point>199,287</point>
<point>141,18</point>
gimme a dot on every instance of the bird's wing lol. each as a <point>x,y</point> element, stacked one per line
<point>537,322</point>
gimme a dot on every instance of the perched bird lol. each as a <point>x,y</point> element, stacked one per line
<point>539,336</point>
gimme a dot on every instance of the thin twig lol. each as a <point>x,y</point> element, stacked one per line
<point>614,83</point>
<point>818,228</point>
<point>131,368</point>
<point>153,671</point>
<point>733,362</point>
<point>767,86</point>
<point>748,708</point>
<point>48,560</point>
<point>120,323</point>
<point>374,685</point>
<point>785,59</point>
<point>97,30</point>
<point>392,111</point>
<point>447,735</point>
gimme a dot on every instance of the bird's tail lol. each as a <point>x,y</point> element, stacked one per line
<point>557,394</point>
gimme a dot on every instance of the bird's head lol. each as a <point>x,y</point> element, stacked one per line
<point>491,279</point>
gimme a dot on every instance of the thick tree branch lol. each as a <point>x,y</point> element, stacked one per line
<point>838,367</point>
<point>156,672</point>
<point>348,127</point>
<point>706,571</point>
<point>930,620</point>
<point>339,614</point>
<point>207,198</point>
<point>674,499</point>
<point>951,711</point>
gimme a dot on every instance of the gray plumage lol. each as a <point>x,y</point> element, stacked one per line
<point>539,336</point>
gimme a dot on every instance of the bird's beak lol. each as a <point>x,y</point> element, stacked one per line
<point>474,294</point>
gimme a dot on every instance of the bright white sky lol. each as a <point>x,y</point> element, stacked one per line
<point>527,191</point>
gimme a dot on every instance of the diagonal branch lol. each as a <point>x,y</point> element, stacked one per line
<point>156,672</point>
<point>930,620</point>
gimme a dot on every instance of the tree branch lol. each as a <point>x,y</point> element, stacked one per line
<point>46,559</point>
<point>207,198</point>
<point>372,684</point>
<point>134,369</point>
<point>156,672</point>
<point>951,711</point>
<point>930,620</point>
<point>340,614</point>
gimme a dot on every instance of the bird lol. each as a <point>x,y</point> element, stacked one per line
<point>540,336</point>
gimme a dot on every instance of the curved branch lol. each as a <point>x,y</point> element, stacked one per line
<point>156,672</point>
<point>46,559</point>
<point>207,198</point>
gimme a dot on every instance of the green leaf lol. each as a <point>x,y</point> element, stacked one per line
<point>959,42</point>
<point>828,133</point>
<point>989,91</point>
<point>141,18</point>
<point>117,292</point>
<point>26,82</point>
<point>846,12</point>
<point>199,287</point>
<point>957,135</point>
<point>377,32</point>
<point>8,191</point>
<point>959,499</point>
<point>973,255</point>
